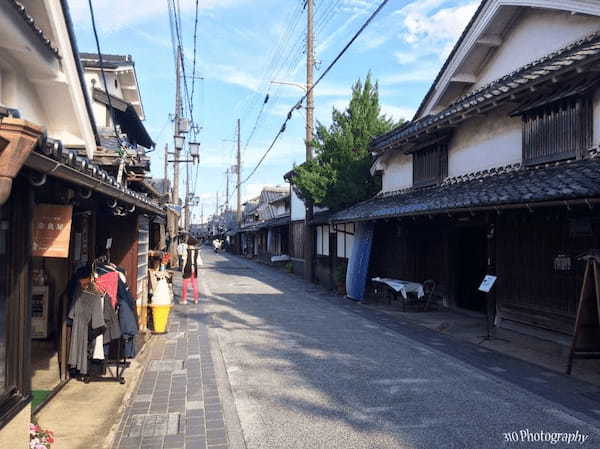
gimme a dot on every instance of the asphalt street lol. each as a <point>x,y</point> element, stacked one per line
<point>307,369</point>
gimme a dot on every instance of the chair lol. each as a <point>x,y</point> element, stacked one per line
<point>429,290</point>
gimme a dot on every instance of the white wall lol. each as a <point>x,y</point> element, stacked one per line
<point>485,142</point>
<point>298,211</point>
<point>19,93</point>
<point>397,173</point>
<point>537,33</point>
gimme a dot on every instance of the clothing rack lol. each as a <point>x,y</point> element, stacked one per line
<point>119,362</point>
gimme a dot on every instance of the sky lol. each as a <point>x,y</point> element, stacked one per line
<point>243,45</point>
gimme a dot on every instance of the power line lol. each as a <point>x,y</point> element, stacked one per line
<point>112,111</point>
<point>325,72</point>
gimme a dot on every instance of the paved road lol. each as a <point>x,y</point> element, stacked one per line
<point>308,370</point>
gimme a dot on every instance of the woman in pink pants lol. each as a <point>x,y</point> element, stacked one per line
<point>190,272</point>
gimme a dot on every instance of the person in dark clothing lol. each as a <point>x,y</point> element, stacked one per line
<point>190,272</point>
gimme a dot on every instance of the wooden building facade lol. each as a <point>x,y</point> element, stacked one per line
<point>499,172</point>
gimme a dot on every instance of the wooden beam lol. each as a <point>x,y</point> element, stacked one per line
<point>490,40</point>
<point>464,78</point>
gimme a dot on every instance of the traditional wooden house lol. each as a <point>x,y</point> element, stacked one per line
<point>332,244</point>
<point>59,209</point>
<point>265,224</point>
<point>499,171</point>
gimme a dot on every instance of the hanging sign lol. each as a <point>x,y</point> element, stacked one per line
<point>487,283</point>
<point>51,230</point>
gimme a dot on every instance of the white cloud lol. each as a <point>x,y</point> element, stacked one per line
<point>398,112</point>
<point>417,73</point>
<point>425,24</point>
<point>112,15</point>
<point>406,57</point>
<point>233,75</point>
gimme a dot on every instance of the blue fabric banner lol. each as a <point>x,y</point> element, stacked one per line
<point>358,264</point>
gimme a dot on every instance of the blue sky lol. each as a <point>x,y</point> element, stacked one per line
<point>244,44</point>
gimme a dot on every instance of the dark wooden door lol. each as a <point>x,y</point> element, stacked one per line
<point>471,263</point>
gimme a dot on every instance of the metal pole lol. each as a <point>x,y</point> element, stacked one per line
<point>166,162</point>
<point>178,108</point>
<point>310,63</point>
<point>187,198</point>
<point>239,174</point>
<point>227,192</point>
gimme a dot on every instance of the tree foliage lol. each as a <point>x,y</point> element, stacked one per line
<point>339,175</point>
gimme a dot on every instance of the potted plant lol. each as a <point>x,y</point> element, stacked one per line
<point>40,438</point>
<point>340,277</point>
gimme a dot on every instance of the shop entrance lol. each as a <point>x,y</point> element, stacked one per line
<point>471,264</point>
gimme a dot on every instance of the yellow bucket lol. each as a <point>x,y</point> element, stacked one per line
<point>160,317</point>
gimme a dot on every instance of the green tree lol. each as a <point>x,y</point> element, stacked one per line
<point>339,175</point>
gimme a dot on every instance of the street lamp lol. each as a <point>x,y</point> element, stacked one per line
<point>179,141</point>
<point>291,83</point>
<point>195,150</point>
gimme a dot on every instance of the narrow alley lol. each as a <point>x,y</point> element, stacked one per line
<point>297,367</point>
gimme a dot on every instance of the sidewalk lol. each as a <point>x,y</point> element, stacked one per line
<point>177,404</point>
<point>470,327</point>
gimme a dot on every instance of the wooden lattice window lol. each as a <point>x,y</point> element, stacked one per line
<point>430,165</point>
<point>561,130</point>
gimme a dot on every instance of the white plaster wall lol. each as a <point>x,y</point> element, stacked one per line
<point>485,142</point>
<point>397,173</point>
<point>536,33</point>
<point>19,93</point>
<point>298,212</point>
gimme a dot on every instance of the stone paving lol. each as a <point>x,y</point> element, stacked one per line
<point>176,404</point>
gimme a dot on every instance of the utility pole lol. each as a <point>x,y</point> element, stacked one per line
<point>227,191</point>
<point>187,198</point>
<point>238,169</point>
<point>310,63</point>
<point>166,162</point>
<point>178,114</point>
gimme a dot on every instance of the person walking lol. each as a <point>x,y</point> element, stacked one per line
<point>190,271</point>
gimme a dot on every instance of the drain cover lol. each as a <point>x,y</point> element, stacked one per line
<point>165,365</point>
<point>153,425</point>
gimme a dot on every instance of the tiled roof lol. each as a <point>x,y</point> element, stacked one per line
<point>80,165</point>
<point>110,61</point>
<point>581,51</point>
<point>503,187</point>
<point>22,11</point>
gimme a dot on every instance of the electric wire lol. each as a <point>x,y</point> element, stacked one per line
<point>120,151</point>
<point>309,91</point>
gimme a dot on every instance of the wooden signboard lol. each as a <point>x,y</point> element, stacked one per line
<point>586,338</point>
<point>51,230</point>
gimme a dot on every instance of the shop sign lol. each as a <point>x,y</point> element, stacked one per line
<point>51,230</point>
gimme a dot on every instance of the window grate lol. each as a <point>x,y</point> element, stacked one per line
<point>562,130</point>
<point>430,166</point>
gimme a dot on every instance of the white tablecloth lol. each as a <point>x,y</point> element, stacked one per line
<point>404,287</point>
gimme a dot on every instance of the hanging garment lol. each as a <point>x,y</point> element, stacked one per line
<point>111,319</point>
<point>108,283</point>
<point>128,318</point>
<point>87,315</point>
<point>99,341</point>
